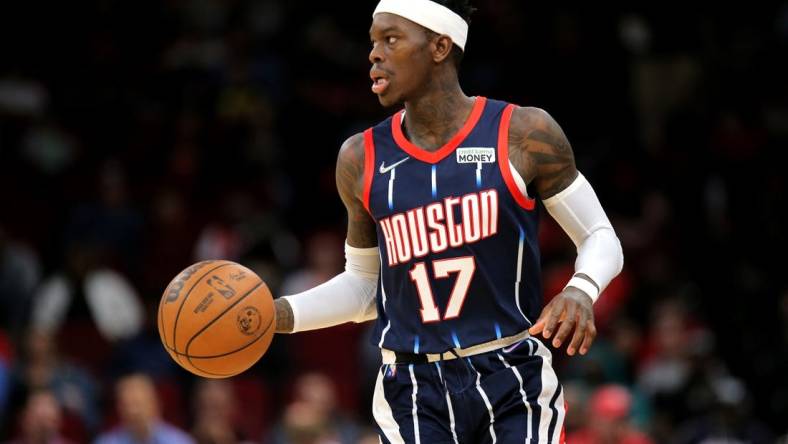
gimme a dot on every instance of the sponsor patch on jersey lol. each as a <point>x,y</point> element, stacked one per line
<point>475,155</point>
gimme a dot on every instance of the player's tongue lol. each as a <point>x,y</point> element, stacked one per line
<point>379,85</point>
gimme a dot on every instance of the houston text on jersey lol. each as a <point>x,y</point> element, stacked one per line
<point>433,228</point>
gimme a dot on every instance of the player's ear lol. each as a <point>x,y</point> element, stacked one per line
<point>441,48</point>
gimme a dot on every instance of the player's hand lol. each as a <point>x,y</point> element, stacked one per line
<point>573,310</point>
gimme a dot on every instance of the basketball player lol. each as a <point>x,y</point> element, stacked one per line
<point>442,245</point>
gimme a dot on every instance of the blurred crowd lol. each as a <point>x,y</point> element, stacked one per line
<point>139,137</point>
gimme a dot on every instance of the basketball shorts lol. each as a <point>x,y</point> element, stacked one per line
<point>509,395</point>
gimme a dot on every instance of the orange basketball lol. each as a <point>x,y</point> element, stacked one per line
<point>216,318</point>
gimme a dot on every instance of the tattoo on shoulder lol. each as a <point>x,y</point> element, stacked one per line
<point>545,151</point>
<point>554,138</point>
<point>350,184</point>
<point>350,168</point>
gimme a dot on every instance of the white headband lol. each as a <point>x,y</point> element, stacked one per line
<point>430,15</point>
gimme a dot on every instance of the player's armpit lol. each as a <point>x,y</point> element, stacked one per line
<point>540,151</point>
<point>350,184</point>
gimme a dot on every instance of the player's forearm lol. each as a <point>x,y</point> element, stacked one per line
<point>284,316</point>
<point>599,255</point>
<point>343,308</point>
<point>348,297</point>
<point>345,298</point>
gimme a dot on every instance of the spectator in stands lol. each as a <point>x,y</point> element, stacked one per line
<point>608,419</point>
<point>87,291</point>
<point>20,273</point>
<point>305,423</point>
<point>324,258</point>
<point>86,302</point>
<point>215,413</point>
<point>314,413</point>
<point>42,367</point>
<point>110,222</point>
<point>729,420</point>
<point>140,420</point>
<point>41,420</point>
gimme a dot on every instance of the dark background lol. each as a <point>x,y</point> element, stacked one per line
<point>143,136</point>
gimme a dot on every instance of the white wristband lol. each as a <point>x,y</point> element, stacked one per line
<point>585,286</point>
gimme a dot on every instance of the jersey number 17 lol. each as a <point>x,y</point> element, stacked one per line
<point>464,267</point>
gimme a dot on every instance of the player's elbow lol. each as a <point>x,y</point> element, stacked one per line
<point>601,250</point>
<point>612,245</point>
<point>368,313</point>
<point>618,253</point>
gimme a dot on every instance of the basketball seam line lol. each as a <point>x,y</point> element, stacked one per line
<point>188,344</point>
<point>268,327</point>
<point>183,302</point>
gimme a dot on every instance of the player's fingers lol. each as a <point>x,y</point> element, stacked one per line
<point>567,324</point>
<point>537,327</point>
<point>589,337</point>
<point>553,316</point>
<point>580,332</point>
<point>540,323</point>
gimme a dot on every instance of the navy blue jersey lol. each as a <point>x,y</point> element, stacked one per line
<point>457,235</point>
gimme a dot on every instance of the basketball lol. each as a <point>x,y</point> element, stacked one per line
<point>216,318</point>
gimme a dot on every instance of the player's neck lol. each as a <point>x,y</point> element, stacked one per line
<point>434,118</point>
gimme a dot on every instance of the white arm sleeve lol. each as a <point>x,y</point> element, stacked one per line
<point>348,297</point>
<point>599,255</point>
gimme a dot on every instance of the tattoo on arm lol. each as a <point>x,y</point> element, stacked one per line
<point>541,152</point>
<point>284,316</point>
<point>361,231</point>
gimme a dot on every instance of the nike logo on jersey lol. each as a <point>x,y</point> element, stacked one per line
<point>512,347</point>
<point>385,169</point>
